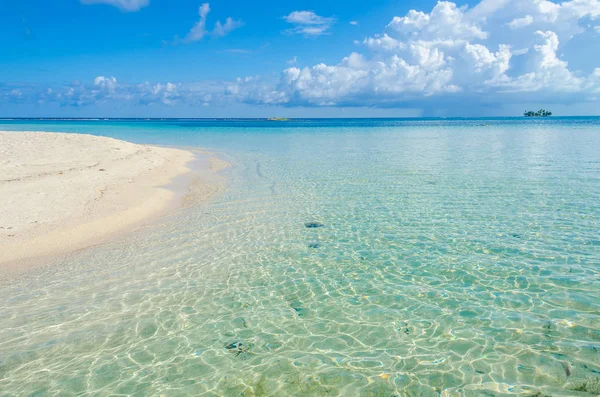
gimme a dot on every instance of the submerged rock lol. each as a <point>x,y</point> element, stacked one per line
<point>314,245</point>
<point>234,345</point>
<point>300,311</point>
<point>313,225</point>
<point>239,349</point>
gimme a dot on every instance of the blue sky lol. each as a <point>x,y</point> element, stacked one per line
<point>187,58</point>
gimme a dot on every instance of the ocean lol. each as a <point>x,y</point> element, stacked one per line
<point>347,257</point>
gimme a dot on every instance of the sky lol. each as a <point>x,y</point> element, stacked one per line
<point>272,58</point>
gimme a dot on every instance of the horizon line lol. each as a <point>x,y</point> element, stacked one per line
<point>286,118</point>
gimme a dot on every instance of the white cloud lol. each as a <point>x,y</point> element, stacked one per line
<point>125,5</point>
<point>486,65</point>
<point>384,42</point>
<point>425,55</point>
<point>518,23</point>
<point>106,83</point>
<point>199,30</point>
<point>322,85</point>
<point>308,23</point>
<point>500,51</point>
<point>104,89</point>
<point>546,70</point>
<point>566,18</point>
<point>354,23</point>
<point>229,26</point>
<point>148,93</point>
<point>305,18</point>
<point>293,61</point>
<point>77,94</point>
<point>445,22</point>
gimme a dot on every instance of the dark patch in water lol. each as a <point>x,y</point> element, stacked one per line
<point>300,311</point>
<point>525,370</point>
<point>313,225</point>
<point>234,345</point>
<point>591,369</point>
<point>515,235</point>
<point>238,348</point>
<point>314,245</point>
<point>403,326</point>
<point>559,356</point>
<point>567,368</point>
<point>588,386</point>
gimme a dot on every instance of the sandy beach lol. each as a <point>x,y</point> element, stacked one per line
<point>63,192</point>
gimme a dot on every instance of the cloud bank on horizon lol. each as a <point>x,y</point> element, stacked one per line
<point>496,52</point>
<point>499,48</point>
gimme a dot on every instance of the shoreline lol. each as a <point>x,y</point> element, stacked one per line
<point>64,192</point>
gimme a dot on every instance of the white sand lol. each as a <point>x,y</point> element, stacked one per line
<point>63,192</point>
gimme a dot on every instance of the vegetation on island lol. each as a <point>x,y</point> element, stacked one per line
<point>539,113</point>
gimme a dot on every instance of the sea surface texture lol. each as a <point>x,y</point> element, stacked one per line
<point>432,257</point>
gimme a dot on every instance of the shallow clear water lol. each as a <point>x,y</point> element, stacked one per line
<point>455,259</point>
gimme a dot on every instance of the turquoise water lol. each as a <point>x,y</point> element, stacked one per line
<point>455,259</point>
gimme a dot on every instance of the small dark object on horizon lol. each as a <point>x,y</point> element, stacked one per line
<point>539,113</point>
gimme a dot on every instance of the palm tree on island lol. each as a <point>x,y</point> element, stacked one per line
<point>539,113</point>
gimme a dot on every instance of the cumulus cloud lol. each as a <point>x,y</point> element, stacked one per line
<point>487,64</point>
<point>148,93</point>
<point>520,22</point>
<point>124,5</point>
<point>199,30</point>
<point>107,89</point>
<point>106,83</point>
<point>547,71</point>
<point>438,54</point>
<point>498,52</point>
<point>445,22</point>
<point>308,23</point>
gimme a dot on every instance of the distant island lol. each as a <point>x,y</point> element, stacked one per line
<point>539,113</point>
<point>278,119</point>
